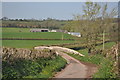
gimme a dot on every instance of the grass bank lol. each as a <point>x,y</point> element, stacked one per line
<point>30,63</point>
<point>105,65</point>
<point>40,68</point>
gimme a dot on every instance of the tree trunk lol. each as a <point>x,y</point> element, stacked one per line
<point>89,50</point>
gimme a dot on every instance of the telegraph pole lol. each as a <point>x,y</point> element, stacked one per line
<point>62,35</point>
<point>103,40</point>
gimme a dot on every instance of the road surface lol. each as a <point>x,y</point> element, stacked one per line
<point>75,68</point>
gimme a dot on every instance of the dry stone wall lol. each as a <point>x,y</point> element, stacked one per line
<point>15,53</point>
<point>113,52</point>
<point>115,56</point>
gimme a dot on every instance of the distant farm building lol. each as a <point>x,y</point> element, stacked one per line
<point>39,30</point>
<point>64,31</point>
<point>47,30</point>
<point>75,34</point>
<point>53,31</point>
<point>59,30</point>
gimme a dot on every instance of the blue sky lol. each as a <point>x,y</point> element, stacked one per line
<point>43,10</point>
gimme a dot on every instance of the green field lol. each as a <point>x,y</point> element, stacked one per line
<point>32,43</point>
<point>108,45</point>
<point>25,33</point>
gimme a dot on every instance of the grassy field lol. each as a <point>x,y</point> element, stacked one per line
<point>25,33</point>
<point>31,43</point>
<point>108,45</point>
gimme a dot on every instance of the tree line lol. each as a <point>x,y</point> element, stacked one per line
<point>96,21</point>
<point>33,23</point>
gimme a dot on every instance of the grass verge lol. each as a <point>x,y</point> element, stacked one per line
<point>105,65</point>
<point>40,68</point>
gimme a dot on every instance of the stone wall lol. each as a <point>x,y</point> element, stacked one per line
<point>15,53</point>
<point>115,56</point>
<point>113,52</point>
